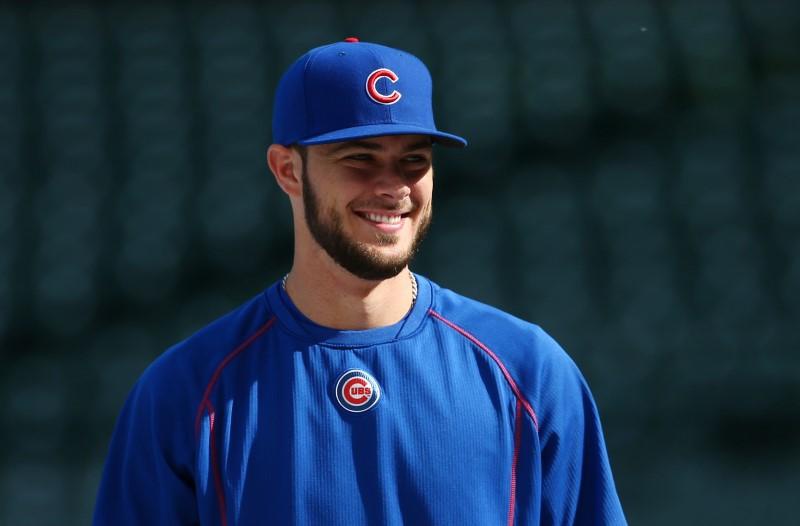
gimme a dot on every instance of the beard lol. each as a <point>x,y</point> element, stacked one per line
<point>360,259</point>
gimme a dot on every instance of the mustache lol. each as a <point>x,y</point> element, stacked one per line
<point>403,207</point>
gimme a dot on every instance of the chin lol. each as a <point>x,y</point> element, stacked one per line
<point>388,257</point>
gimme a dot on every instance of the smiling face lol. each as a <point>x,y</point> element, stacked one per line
<point>367,203</point>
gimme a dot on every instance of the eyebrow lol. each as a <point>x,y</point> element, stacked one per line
<point>374,146</point>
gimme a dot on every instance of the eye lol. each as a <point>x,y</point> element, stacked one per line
<point>415,159</point>
<point>359,157</point>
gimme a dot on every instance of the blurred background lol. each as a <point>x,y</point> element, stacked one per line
<point>632,185</point>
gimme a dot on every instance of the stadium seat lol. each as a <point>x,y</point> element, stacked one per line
<point>635,166</point>
<point>232,212</point>
<point>12,128</point>
<point>772,28</point>
<point>789,283</point>
<point>712,51</point>
<point>72,186</point>
<point>6,297</point>
<point>116,356</point>
<point>709,185</point>
<point>296,28</point>
<point>236,78</point>
<point>455,233</point>
<point>67,249</point>
<point>628,188</point>
<point>85,480</point>
<point>402,29</point>
<point>633,69</point>
<point>730,291</point>
<point>11,71</point>
<point>546,229</point>
<point>551,78</point>
<point>34,492</point>
<point>473,90</point>
<point>545,209</point>
<point>638,291</point>
<point>36,400</point>
<point>151,215</point>
<point>780,144</point>
<point>202,308</point>
<point>152,208</point>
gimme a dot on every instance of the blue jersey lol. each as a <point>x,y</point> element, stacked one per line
<point>458,414</point>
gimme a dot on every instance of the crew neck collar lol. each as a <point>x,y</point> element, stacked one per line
<point>301,326</point>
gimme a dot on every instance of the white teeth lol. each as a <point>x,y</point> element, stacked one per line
<point>392,220</point>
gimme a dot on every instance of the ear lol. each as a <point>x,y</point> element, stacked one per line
<point>286,165</point>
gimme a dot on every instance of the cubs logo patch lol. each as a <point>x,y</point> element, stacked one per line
<point>372,86</point>
<point>357,391</point>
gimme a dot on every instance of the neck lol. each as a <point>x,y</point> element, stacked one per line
<point>335,298</point>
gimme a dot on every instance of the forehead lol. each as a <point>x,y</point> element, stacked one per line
<point>385,143</point>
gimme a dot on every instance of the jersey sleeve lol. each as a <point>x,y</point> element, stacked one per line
<point>148,476</point>
<point>577,484</point>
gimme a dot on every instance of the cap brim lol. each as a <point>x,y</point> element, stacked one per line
<point>377,130</point>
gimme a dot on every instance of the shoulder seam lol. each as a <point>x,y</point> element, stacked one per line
<point>514,388</point>
<point>224,363</point>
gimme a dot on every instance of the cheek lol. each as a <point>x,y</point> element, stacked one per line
<point>333,197</point>
<point>425,185</point>
<point>422,194</point>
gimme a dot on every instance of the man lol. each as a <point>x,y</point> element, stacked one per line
<point>353,391</point>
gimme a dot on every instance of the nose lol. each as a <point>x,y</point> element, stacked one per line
<point>393,184</point>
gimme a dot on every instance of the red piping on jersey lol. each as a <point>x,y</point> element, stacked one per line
<point>225,361</point>
<point>494,357</point>
<point>517,438</point>
<point>214,467</point>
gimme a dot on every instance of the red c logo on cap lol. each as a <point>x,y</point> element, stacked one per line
<point>373,92</point>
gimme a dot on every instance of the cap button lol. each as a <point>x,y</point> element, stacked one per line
<point>351,39</point>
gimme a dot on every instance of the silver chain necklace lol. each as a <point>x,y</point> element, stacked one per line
<point>410,274</point>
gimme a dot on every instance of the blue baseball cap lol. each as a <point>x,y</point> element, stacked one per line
<point>353,90</point>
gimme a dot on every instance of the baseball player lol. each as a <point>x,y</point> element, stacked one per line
<point>353,391</point>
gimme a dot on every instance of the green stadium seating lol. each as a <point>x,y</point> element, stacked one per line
<point>633,75</point>
<point>550,78</point>
<point>632,184</point>
<point>712,51</point>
